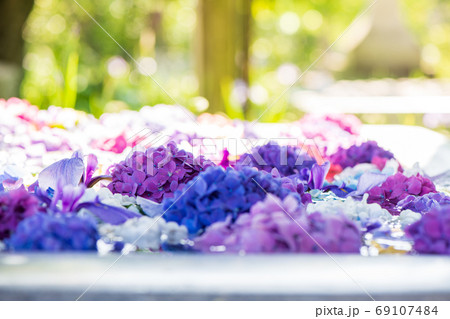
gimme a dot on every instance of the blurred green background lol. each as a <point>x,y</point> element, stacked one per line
<point>231,56</point>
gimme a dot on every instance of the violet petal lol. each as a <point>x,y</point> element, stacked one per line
<point>108,214</point>
<point>66,171</point>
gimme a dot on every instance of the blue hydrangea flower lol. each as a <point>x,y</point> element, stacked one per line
<point>218,193</point>
<point>55,232</point>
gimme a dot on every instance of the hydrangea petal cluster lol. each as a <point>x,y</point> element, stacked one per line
<point>368,152</point>
<point>276,225</point>
<point>217,194</point>
<point>351,176</point>
<point>34,139</point>
<point>55,232</point>
<point>364,214</point>
<point>336,234</point>
<point>346,122</point>
<point>425,203</point>
<point>318,195</point>
<point>294,184</point>
<point>115,144</point>
<point>431,234</point>
<point>11,177</point>
<point>330,131</point>
<point>408,217</point>
<point>15,206</point>
<point>21,109</point>
<point>145,233</point>
<point>398,187</point>
<point>156,173</point>
<point>288,160</point>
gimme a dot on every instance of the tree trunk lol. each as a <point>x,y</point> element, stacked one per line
<point>13,14</point>
<point>222,49</point>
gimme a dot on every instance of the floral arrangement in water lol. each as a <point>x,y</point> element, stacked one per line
<point>162,179</point>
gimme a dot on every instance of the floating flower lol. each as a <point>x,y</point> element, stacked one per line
<point>15,206</point>
<point>425,203</point>
<point>365,153</point>
<point>59,232</point>
<point>294,184</point>
<point>346,122</point>
<point>227,208</point>
<point>69,171</point>
<point>179,137</point>
<point>330,131</point>
<point>136,205</point>
<point>431,234</point>
<point>116,144</point>
<point>66,172</point>
<point>276,225</point>
<point>145,232</point>
<point>288,160</point>
<point>69,199</point>
<point>398,187</point>
<point>351,176</point>
<point>156,173</point>
<point>217,194</point>
<point>105,196</point>
<point>335,234</point>
<point>318,195</point>
<point>364,214</point>
<point>10,178</point>
<point>21,109</point>
<point>408,217</point>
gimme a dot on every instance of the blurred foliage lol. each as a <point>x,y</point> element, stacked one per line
<point>287,37</point>
<point>65,45</point>
<point>430,22</point>
<point>71,61</point>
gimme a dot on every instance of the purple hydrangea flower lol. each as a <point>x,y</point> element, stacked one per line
<point>431,234</point>
<point>218,193</point>
<point>15,206</point>
<point>299,172</point>
<point>425,203</point>
<point>177,137</point>
<point>357,154</point>
<point>288,160</point>
<point>294,184</point>
<point>156,173</point>
<point>398,187</point>
<point>274,225</point>
<point>55,232</point>
<point>335,233</point>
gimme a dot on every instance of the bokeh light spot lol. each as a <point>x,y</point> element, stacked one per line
<point>312,20</point>
<point>117,67</point>
<point>289,23</point>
